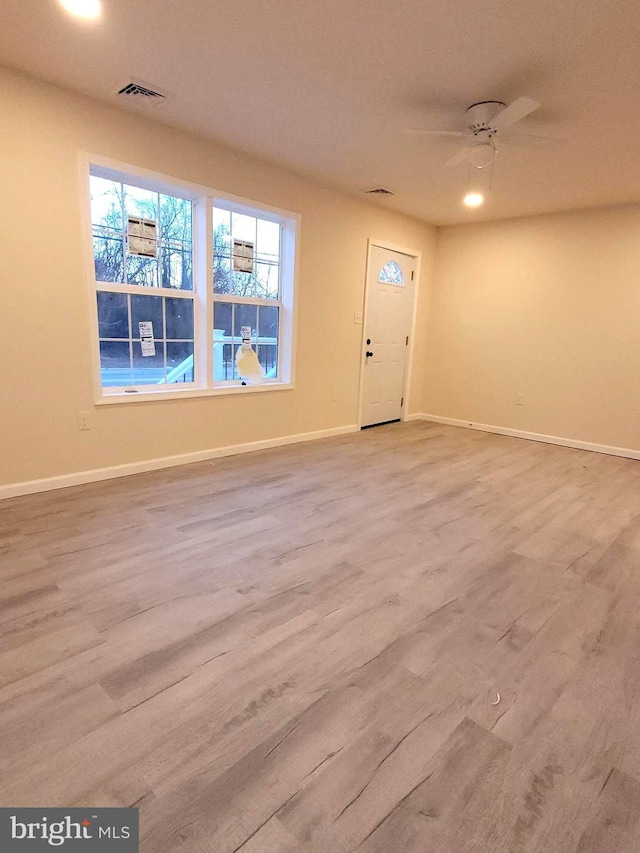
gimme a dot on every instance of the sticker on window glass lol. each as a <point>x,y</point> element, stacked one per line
<point>141,235</point>
<point>147,341</point>
<point>242,256</point>
<point>246,338</point>
<point>391,274</point>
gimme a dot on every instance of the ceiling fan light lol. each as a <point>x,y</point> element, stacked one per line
<point>473,199</point>
<point>481,154</point>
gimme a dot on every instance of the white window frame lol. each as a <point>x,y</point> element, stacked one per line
<point>203,199</point>
<point>285,300</point>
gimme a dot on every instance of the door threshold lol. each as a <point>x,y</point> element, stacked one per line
<point>382,423</point>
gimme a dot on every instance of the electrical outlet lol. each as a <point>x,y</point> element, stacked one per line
<point>357,318</point>
<point>519,399</point>
<point>83,420</point>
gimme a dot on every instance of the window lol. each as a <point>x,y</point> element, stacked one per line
<point>391,274</point>
<point>158,303</point>
<point>247,289</point>
<point>128,270</point>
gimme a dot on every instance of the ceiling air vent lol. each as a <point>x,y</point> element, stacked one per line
<point>135,93</point>
<point>379,191</point>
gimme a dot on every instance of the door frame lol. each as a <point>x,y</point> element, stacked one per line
<point>417,256</point>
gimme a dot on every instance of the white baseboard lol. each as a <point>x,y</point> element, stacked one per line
<point>532,436</point>
<point>30,487</point>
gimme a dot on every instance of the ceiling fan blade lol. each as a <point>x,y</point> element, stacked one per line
<point>518,136</point>
<point>531,140</point>
<point>458,158</point>
<point>457,133</point>
<point>520,108</point>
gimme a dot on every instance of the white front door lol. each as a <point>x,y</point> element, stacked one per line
<point>388,316</point>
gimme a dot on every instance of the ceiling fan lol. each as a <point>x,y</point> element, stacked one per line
<point>486,120</point>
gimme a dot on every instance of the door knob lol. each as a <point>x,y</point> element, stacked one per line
<point>368,354</point>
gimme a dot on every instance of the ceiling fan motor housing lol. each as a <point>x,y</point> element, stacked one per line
<point>480,116</point>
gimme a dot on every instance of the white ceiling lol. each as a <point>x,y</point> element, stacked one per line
<point>326,87</point>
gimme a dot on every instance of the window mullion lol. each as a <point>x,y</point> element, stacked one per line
<point>205,283</point>
<point>130,335</point>
<point>246,300</point>
<point>233,341</point>
<point>164,334</point>
<point>124,236</point>
<point>142,290</point>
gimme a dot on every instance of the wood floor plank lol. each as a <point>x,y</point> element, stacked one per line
<point>451,808</point>
<point>273,838</point>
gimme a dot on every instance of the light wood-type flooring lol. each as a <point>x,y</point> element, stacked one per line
<point>301,649</point>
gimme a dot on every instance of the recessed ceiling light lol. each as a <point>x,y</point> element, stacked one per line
<point>88,9</point>
<point>473,199</point>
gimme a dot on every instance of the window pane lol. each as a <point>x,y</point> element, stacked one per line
<point>179,318</point>
<point>223,353</point>
<point>138,202</point>
<point>108,258</point>
<point>243,227</point>
<point>229,363</point>
<point>113,315</point>
<point>268,358</point>
<point>175,219</point>
<point>180,364</point>
<point>245,315</point>
<point>222,317</point>
<point>268,323</point>
<point>267,348</point>
<point>115,363</point>
<point>146,309</point>
<point>106,202</point>
<point>243,284</point>
<point>222,278</point>
<point>142,271</point>
<point>221,228</point>
<point>268,243</point>
<point>175,267</point>
<point>391,274</point>
<point>149,369</point>
<point>267,280</point>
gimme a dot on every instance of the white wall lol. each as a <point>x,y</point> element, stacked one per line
<point>548,307</point>
<point>45,350</point>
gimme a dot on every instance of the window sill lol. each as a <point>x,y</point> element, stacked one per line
<point>126,397</point>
